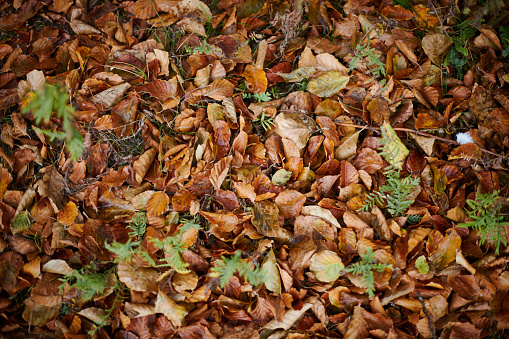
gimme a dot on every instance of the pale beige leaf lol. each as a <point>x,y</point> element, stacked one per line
<point>190,6</point>
<point>36,80</point>
<point>135,310</point>
<point>229,110</point>
<point>322,213</point>
<point>79,27</point>
<point>107,98</point>
<point>140,279</point>
<point>140,201</point>
<point>191,26</point>
<point>97,315</point>
<point>295,127</point>
<point>347,146</point>
<point>57,266</point>
<point>164,61</point>
<point>307,59</point>
<point>328,62</point>
<point>425,143</point>
<point>271,272</point>
<point>173,311</point>
<point>202,78</point>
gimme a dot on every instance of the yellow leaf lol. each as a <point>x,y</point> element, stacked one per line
<point>326,266</point>
<point>271,273</point>
<point>395,151</point>
<point>328,84</point>
<point>173,311</point>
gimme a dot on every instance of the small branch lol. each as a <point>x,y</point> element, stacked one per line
<point>421,134</point>
<point>427,315</point>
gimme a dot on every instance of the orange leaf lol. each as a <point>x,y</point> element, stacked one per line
<point>5,179</point>
<point>157,203</point>
<point>256,78</point>
<point>68,214</point>
<point>220,171</point>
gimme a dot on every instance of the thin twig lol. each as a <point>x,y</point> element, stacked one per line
<point>421,134</point>
<point>427,315</point>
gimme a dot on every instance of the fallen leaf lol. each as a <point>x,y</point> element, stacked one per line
<point>328,84</point>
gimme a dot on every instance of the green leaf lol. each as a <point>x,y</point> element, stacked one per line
<point>326,266</point>
<point>328,84</point>
<point>281,177</point>
<point>393,150</point>
<point>422,265</point>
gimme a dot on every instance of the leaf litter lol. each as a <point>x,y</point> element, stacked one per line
<point>254,168</point>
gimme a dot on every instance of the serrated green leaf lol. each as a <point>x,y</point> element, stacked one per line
<point>281,177</point>
<point>326,266</point>
<point>394,151</point>
<point>328,84</point>
<point>422,265</point>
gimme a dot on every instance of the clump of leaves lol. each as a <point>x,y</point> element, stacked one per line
<point>395,194</point>
<point>486,219</point>
<point>260,97</point>
<point>264,121</point>
<point>458,56</point>
<point>375,65</point>
<point>365,267</point>
<point>227,267</point>
<point>52,100</point>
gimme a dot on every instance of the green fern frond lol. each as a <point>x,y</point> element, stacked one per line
<point>487,220</point>
<point>365,267</point>
<point>227,267</point>
<point>52,100</point>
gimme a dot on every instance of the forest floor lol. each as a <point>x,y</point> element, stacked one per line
<point>254,169</point>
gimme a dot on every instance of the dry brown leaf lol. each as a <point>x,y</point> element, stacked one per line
<point>295,127</point>
<point>436,46</point>
<point>157,204</point>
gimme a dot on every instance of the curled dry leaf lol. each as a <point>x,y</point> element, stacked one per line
<point>436,46</point>
<point>295,127</point>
